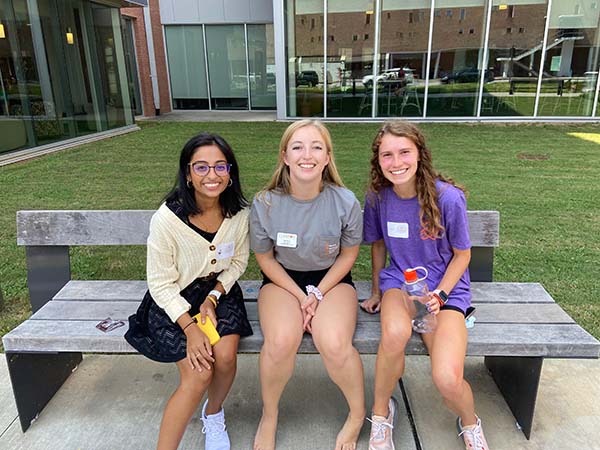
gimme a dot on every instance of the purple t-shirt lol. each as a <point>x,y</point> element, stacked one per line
<point>396,221</point>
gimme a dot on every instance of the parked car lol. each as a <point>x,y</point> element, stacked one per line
<point>402,76</point>
<point>309,77</point>
<point>469,75</point>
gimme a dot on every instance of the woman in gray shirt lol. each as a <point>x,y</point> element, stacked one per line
<point>305,230</point>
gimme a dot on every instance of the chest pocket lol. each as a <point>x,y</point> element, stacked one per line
<point>327,246</point>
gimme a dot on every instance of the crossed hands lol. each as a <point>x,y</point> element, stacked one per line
<point>308,305</point>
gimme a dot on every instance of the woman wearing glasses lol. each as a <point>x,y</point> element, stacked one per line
<point>306,229</point>
<point>197,249</point>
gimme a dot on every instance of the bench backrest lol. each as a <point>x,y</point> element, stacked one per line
<point>47,236</point>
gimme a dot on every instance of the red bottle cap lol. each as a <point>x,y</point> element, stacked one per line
<point>411,276</point>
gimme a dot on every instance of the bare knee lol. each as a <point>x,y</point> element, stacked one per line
<point>394,337</point>
<point>448,381</point>
<point>334,349</point>
<point>279,348</point>
<point>226,361</point>
<point>196,382</point>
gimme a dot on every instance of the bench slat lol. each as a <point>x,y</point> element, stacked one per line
<point>485,313</point>
<point>130,227</point>
<point>483,292</point>
<point>553,341</point>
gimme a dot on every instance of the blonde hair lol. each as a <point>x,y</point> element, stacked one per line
<point>426,176</point>
<point>280,181</point>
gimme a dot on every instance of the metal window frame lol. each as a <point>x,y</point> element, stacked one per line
<point>429,56</point>
<point>542,60</point>
<point>484,62</point>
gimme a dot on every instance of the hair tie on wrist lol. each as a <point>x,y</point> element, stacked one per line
<point>310,289</point>
<point>193,321</point>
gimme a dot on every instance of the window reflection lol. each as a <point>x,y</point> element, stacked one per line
<point>456,59</point>
<point>403,58</point>
<point>60,75</point>
<point>571,64</point>
<point>350,45</point>
<point>515,49</point>
<point>261,61</point>
<point>304,51</point>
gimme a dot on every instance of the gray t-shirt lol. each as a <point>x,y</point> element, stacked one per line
<point>306,235</point>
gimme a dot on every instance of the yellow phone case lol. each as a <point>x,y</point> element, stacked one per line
<point>208,329</point>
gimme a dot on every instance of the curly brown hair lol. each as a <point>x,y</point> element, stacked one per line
<point>430,216</point>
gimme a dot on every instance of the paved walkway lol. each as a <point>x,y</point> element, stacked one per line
<point>115,402</point>
<point>213,116</point>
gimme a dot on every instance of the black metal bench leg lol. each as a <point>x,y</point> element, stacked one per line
<point>518,379</point>
<point>35,378</point>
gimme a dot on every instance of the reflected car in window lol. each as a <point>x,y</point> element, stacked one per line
<point>307,77</point>
<point>470,75</point>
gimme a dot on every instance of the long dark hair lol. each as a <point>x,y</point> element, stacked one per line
<point>232,199</point>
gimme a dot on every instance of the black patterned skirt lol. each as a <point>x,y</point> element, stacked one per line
<point>153,334</point>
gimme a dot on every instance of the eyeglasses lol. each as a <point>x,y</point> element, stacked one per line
<point>202,169</point>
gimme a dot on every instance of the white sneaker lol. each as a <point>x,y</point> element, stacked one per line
<point>216,437</point>
<point>382,427</point>
<point>472,436</point>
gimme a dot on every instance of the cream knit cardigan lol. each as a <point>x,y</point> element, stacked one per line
<point>177,255</point>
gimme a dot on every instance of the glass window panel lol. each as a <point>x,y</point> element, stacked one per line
<point>571,59</point>
<point>131,65</point>
<point>227,71</point>
<point>403,57</point>
<point>515,50</point>
<point>19,78</point>
<point>350,47</point>
<point>187,68</point>
<point>304,51</point>
<point>105,30</point>
<point>456,58</point>
<point>261,55</point>
<point>60,71</point>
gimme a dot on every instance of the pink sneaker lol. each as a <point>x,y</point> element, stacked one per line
<point>472,435</point>
<point>381,429</point>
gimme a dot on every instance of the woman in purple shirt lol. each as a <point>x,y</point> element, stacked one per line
<point>420,218</point>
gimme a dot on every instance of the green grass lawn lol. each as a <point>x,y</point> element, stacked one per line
<point>542,179</point>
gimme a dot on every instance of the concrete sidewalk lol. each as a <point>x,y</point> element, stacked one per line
<point>179,115</point>
<point>116,402</point>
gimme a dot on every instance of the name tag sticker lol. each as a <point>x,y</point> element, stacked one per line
<point>288,240</point>
<point>397,229</point>
<point>225,250</point>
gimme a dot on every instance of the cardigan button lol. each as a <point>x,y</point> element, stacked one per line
<point>213,261</point>
<point>212,248</point>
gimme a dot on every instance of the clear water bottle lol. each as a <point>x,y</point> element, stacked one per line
<point>416,288</point>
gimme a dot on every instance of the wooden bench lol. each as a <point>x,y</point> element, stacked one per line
<point>518,324</point>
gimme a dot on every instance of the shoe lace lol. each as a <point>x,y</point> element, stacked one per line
<point>378,429</point>
<point>213,425</point>
<point>473,437</point>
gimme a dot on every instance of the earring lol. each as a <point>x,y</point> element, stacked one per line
<point>189,184</point>
<point>230,183</point>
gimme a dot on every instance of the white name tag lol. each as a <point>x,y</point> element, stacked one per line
<point>225,250</point>
<point>397,229</point>
<point>289,240</point>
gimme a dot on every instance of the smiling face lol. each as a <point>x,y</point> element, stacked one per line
<point>306,155</point>
<point>212,184</point>
<point>398,159</point>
